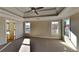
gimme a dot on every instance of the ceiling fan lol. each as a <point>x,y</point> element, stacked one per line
<point>34,9</point>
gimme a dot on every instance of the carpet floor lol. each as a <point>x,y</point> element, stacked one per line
<point>39,45</point>
<point>49,45</point>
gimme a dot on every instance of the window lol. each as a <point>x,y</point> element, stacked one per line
<point>27,27</point>
<point>55,27</point>
<point>67,27</point>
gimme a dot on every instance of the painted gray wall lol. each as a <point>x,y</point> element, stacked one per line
<point>75,26</point>
<point>2,31</point>
<point>19,29</point>
<point>43,29</point>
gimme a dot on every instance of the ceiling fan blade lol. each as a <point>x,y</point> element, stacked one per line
<point>47,9</point>
<point>39,7</point>
<point>36,12</point>
<point>34,9</point>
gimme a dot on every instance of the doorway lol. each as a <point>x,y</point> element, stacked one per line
<point>10,30</point>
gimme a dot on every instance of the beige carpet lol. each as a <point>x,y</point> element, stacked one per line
<point>14,46</point>
<point>39,45</point>
<point>1,46</point>
<point>48,45</point>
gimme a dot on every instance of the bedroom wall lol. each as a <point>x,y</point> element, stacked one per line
<point>42,29</point>
<point>2,31</point>
<point>19,29</point>
<point>75,27</point>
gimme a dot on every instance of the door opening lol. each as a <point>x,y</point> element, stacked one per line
<point>10,30</point>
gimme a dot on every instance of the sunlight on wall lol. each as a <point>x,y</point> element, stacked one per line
<point>69,43</point>
<point>74,39</point>
<point>69,37</point>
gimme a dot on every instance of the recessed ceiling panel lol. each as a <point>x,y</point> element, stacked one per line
<point>33,11</point>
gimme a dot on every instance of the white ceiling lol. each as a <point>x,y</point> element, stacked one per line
<point>67,12</point>
<point>13,10</point>
<point>23,11</point>
<point>47,13</point>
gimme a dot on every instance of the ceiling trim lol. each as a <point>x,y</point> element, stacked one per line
<point>40,10</point>
<point>9,15</point>
<point>47,9</point>
<point>57,13</point>
<point>11,12</point>
<point>19,9</point>
<point>61,10</point>
<point>67,12</point>
<point>33,16</point>
<point>41,16</point>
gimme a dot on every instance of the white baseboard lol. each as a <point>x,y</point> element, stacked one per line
<point>47,37</point>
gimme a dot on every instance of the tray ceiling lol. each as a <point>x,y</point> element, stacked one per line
<point>26,12</point>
